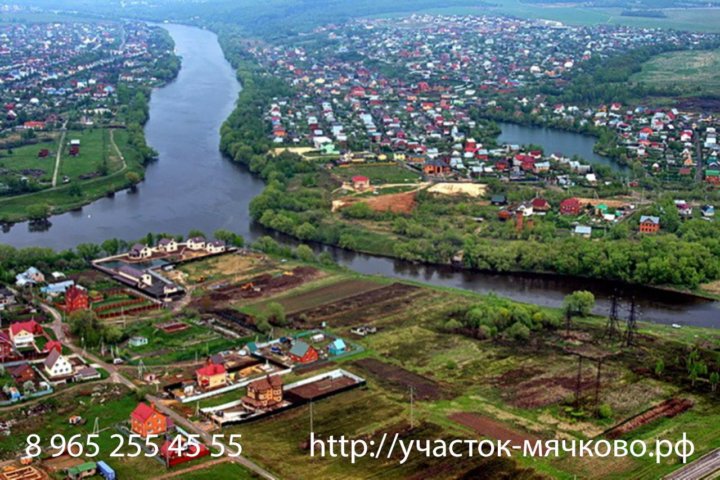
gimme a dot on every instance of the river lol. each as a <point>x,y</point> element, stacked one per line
<point>192,186</point>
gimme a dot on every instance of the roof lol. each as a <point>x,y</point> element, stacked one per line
<point>211,369</point>
<point>267,382</point>
<point>143,412</point>
<point>583,230</point>
<point>299,349</point>
<point>83,467</point>
<point>360,178</point>
<point>52,359</point>
<point>131,271</point>
<point>30,326</point>
<point>338,344</point>
<point>53,345</point>
<point>650,219</point>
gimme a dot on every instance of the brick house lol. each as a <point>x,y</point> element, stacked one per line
<point>76,299</point>
<point>145,420</point>
<point>649,224</point>
<point>265,392</point>
<point>570,206</point>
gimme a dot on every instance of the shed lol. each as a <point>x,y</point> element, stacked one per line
<point>106,471</point>
<point>338,347</point>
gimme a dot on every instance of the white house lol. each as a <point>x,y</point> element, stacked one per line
<point>135,275</point>
<point>22,334</point>
<point>168,245</point>
<point>140,251</point>
<point>196,243</point>
<point>217,246</point>
<point>57,366</point>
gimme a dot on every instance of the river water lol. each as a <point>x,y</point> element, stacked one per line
<point>192,186</point>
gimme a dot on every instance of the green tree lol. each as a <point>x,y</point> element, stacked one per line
<point>133,178</point>
<point>39,211</point>
<point>276,314</point>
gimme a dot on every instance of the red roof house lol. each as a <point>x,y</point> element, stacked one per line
<point>145,420</point>
<point>570,206</point>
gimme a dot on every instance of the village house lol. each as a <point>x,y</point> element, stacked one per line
<point>57,366</point>
<point>76,298</point>
<point>301,352</point>
<point>7,297</point>
<point>22,373</point>
<point>540,205</point>
<point>168,245</point>
<point>211,376</point>
<point>570,206</point>
<point>23,334</point>
<point>216,246</point>
<point>337,347</point>
<point>134,275</point>
<point>146,420</point>
<point>140,251</point>
<point>266,392</point>
<point>360,183</point>
<point>196,243</point>
<point>31,276</point>
<point>137,341</point>
<point>649,224</point>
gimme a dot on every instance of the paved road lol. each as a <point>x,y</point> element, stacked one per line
<point>700,468</point>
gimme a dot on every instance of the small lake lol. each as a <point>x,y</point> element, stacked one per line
<point>553,140</point>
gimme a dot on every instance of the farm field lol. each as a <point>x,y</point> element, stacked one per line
<point>468,388</point>
<point>696,72</point>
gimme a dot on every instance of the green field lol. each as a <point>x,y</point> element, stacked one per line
<point>693,71</point>
<point>61,198</point>
<point>95,149</point>
<point>26,157</point>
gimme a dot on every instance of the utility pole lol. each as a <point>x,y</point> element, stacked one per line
<point>578,381</point>
<point>613,319</point>
<point>412,407</point>
<point>631,324</point>
<point>597,384</point>
<point>312,426</point>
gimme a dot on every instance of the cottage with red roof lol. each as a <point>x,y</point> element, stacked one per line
<point>540,205</point>
<point>570,206</point>
<point>360,183</point>
<point>211,376</point>
<point>146,420</point>
<point>23,334</point>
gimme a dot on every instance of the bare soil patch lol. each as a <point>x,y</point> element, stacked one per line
<point>667,409</point>
<point>491,428</point>
<point>401,379</point>
<point>362,308</point>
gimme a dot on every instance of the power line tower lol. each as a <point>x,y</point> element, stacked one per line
<point>631,324</point>
<point>613,325</point>
<point>96,426</point>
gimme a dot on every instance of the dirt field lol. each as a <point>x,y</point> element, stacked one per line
<point>362,308</point>
<point>490,428</point>
<point>326,294</point>
<point>256,287</point>
<point>528,388</point>
<point>394,202</point>
<point>402,380</point>
<point>469,189</point>
<point>667,409</point>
